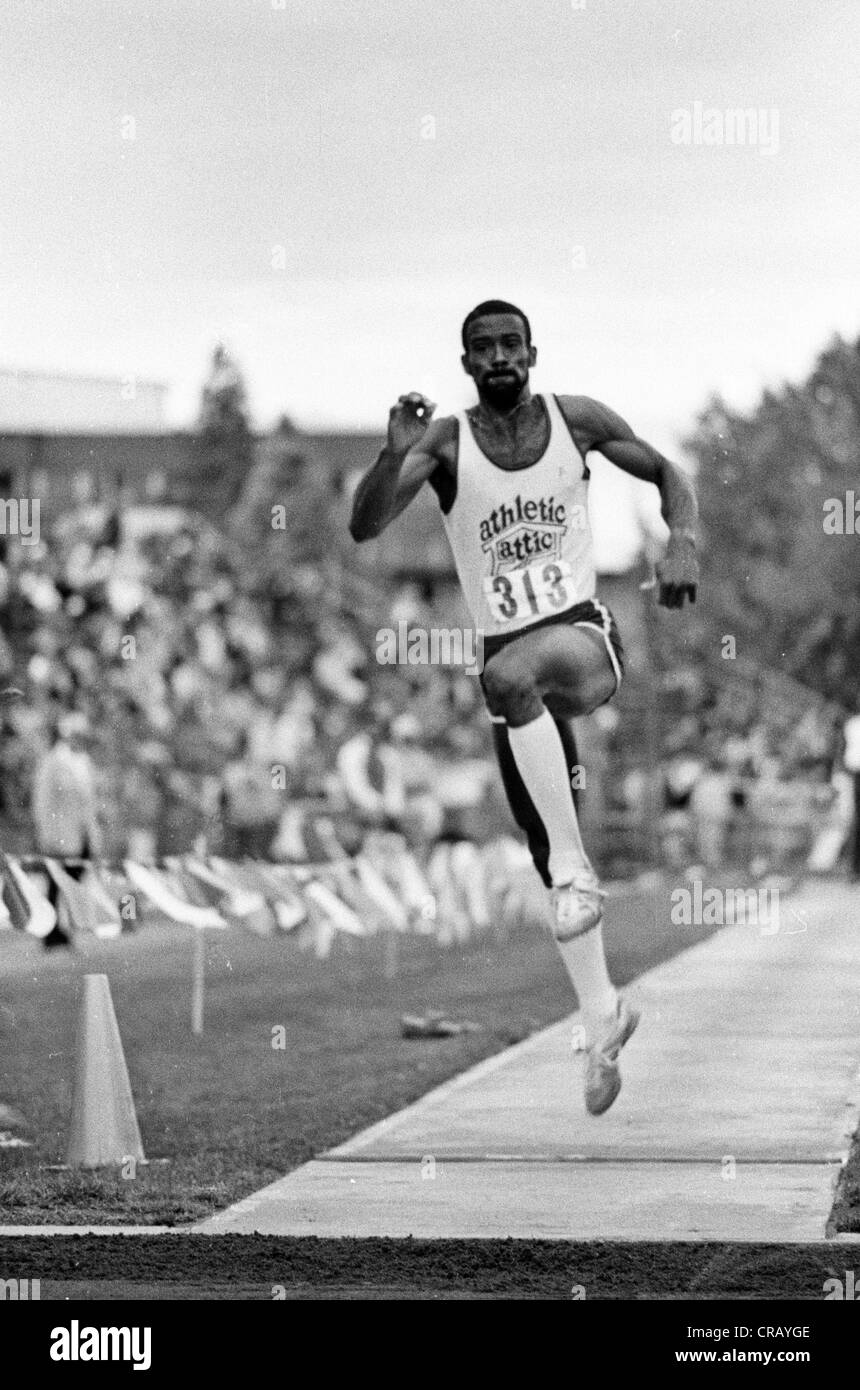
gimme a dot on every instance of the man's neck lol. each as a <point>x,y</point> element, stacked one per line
<point>492,411</point>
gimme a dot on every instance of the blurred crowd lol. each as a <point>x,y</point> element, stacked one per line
<point>753,771</point>
<point>191,693</point>
<point>221,700</point>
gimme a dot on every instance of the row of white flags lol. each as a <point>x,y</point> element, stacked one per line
<point>461,891</point>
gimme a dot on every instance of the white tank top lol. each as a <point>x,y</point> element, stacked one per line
<point>521,538</point>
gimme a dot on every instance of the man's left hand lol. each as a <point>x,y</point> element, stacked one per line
<point>678,573</point>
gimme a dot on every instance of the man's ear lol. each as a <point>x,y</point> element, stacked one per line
<point>465,363</point>
<point>532,355</point>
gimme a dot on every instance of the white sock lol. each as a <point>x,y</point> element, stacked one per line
<point>585,961</point>
<point>539,755</point>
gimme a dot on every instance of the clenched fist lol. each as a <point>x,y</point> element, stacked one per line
<point>407,421</point>
<point>678,573</point>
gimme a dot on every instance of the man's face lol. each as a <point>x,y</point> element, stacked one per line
<point>498,358</point>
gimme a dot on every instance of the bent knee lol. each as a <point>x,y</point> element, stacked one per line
<point>585,690</point>
<point>599,687</point>
<point>511,692</point>
<point>581,696</point>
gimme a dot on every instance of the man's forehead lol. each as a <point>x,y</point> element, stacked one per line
<point>496,326</point>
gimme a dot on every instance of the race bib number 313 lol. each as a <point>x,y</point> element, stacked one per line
<point>533,592</point>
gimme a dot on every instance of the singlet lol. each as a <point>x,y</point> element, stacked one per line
<point>521,537</point>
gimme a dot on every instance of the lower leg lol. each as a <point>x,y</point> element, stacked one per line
<point>535,768</point>
<point>538,752</point>
<point>569,667</point>
<point>584,958</point>
<point>583,955</point>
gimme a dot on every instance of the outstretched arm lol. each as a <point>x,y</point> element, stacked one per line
<point>595,426</point>
<point>404,465</point>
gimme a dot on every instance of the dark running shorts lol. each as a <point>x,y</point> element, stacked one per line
<point>592,613</point>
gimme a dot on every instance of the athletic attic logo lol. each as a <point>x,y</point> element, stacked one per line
<point>527,531</point>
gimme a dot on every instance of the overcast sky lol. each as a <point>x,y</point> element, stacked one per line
<point>280,192</point>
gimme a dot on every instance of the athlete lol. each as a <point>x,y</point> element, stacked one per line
<point>511,477</point>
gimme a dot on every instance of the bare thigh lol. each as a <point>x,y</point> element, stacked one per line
<point>564,668</point>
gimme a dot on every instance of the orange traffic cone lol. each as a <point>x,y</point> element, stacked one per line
<point>104,1124</point>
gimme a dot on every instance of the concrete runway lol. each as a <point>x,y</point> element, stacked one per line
<point>740,1096</point>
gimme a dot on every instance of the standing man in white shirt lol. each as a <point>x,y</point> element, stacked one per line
<point>65,807</point>
<point>851,759</point>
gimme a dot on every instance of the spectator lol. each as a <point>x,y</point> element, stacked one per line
<point>710,802</point>
<point>65,808</point>
<point>251,804</point>
<point>851,763</point>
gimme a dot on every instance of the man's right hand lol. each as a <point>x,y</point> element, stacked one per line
<point>398,473</point>
<point>407,422</point>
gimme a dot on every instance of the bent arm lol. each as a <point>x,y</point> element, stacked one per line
<point>388,487</point>
<point>677,497</point>
<point>600,428</point>
<point>595,426</point>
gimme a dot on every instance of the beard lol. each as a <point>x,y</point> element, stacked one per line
<point>502,392</point>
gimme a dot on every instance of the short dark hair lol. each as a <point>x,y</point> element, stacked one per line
<point>493,306</point>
